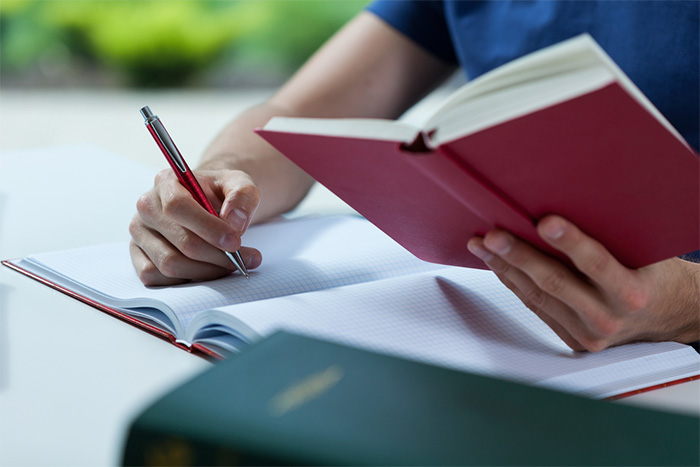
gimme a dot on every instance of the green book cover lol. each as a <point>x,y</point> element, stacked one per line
<point>296,400</point>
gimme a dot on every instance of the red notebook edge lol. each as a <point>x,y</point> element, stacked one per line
<point>195,349</point>
<point>654,387</point>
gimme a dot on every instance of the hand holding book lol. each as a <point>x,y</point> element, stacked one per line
<point>598,302</point>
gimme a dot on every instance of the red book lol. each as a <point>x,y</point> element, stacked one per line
<point>562,131</point>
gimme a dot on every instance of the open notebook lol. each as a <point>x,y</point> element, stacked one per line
<point>340,278</point>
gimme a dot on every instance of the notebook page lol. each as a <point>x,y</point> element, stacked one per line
<point>463,319</point>
<point>298,256</point>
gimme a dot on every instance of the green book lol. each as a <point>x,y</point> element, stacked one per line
<point>296,400</point>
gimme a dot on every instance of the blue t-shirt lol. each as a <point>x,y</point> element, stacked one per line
<point>656,43</point>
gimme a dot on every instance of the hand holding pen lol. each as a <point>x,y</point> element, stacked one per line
<point>174,239</point>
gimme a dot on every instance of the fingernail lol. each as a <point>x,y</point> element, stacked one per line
<point>480,252</point>
<point>229,242</point>
<point>553,229</point>
<point>238,220</point>
<point>500,245</point>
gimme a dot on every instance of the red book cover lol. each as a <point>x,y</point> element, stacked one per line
<point>601,160</point>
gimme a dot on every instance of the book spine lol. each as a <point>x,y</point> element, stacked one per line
<point>451,173</point>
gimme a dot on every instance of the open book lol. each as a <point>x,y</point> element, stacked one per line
<point>561,130</point>
<point>342,279</point>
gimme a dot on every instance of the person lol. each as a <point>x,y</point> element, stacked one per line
<point>385,60</point>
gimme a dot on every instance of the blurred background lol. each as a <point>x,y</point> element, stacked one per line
<point>162,43</point>
<point>77,71</point>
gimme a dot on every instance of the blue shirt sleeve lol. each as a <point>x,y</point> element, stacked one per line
<point>422,21</point>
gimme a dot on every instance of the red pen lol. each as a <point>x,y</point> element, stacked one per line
<point>184,174</point>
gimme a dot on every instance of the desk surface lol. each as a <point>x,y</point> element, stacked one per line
<point>72,378</point>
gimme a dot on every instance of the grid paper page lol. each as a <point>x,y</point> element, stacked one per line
<point>298,256</point>
<point>463,319</point>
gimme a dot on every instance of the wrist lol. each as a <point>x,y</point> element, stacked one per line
<point>220,162</point>
<point>683,301</point>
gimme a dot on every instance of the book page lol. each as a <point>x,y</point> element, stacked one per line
<point>371,128</point>
<point>463,319</point>
<point>564,57</point>
<point>535,81</point>
<point>490,109</point>
<point>298,256</point>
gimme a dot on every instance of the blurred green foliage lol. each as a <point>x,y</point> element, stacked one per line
<point>165,42</point>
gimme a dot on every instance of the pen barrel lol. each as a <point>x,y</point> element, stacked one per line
<point>188,181</point>
<point>184,174</point>
<point>186,177</point>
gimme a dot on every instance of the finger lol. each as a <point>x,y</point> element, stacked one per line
<point>553,312</point>
<point>251,257</point>
<point>147,272</point>
<point>599,322</point>
<point>553,289</point>
<point>595,261</point>
<point>550,275</point>
<point>241,199</point>
<point>151,241</point>
<point>178,216</point>
<point>550,321</point>
<point>171,262</point>
<point>186,241</point>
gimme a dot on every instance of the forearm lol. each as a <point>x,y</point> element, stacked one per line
<point>366,70</point>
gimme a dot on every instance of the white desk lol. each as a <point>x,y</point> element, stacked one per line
<point>71,378</point>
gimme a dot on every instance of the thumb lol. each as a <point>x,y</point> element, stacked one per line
<point>241,198</point>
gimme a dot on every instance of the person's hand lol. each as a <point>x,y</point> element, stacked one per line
<point>599,302</point>
<point>176,240</point>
